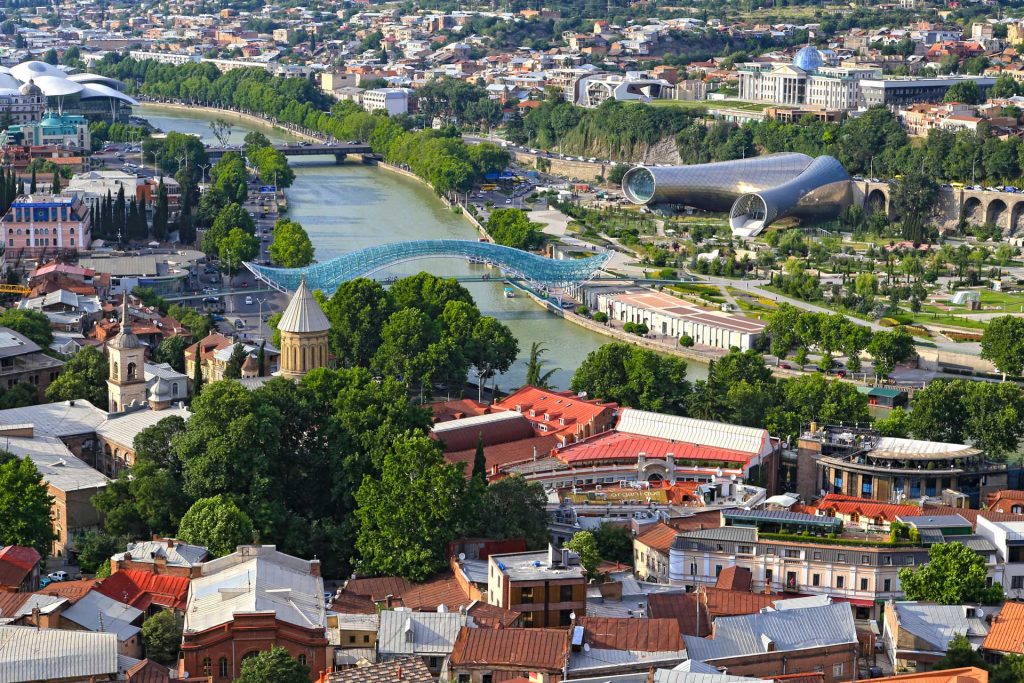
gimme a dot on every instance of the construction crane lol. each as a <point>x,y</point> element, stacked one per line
<point>14,289</point>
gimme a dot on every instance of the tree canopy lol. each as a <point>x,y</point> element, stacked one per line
<point>291,247</point>
<point>273,666</point>
<point>954,575</point>
<point>217,524</point>
<point>84,377</point>
<point>635,377</point>
<point>25,505</point>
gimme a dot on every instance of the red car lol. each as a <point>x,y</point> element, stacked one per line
<point>245,285</point>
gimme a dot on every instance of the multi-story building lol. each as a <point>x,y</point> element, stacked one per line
<point>22,107</point>
<point>860,575</point>
<point>177,58</point>
<point>917,635</point>
<point>548,587</point>
<point>47,223</point>
<point>54,129</point>
<point>901,92</point>
<point>394,101</point>
<point>859,462</point>
<point>631,87</point>
<point>22,360</point>
<point>1008,539</point>
<point>806,81</point>
<point>251,600</point>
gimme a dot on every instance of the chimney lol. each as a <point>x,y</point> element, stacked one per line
<point>35,616</point>
<point>314,567</point>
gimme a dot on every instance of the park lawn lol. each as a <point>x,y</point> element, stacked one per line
<point>707,293</point>
<point>925,318</point>
<point>713,104</point>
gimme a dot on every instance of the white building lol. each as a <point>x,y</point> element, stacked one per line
<point>177,58</point>
<point>670,316</point>
<point>633,86</point>
<point>807,81</point>
<point>392,100</point>
<point>1008,538</point>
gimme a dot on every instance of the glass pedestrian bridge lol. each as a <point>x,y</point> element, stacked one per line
<point>329,275</point>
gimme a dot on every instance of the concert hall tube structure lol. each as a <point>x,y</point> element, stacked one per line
<point>755,191</point>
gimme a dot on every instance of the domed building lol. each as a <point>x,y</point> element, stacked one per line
<point>91,95</point>
<point>805,81</point>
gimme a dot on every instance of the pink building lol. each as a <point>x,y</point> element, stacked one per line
<point>46,223</point>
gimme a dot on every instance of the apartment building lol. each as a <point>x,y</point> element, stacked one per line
<point>40,223</point>
<point>1008,539</point>
<point>549,588</point>
<point>860,575</point>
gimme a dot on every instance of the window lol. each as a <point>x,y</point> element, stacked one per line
<point>837,670</point>
<point>565,593</point>
<point>887,560</point>
<point>792,554</point>
<point>887,585</point>
<point>1017,582</point>
<point>526,595</point>
<point>817,555</point>
<point>841,557</point>
<point>207,666</point>
<point>351,640</point>
<point>132,371</point>
<point>464,678</point>
<point>565,617</point>
<point>863,584</point>
<point>865,559</point>
<point>840,581</point>
<point>909,561</point>
<point>434,663</point>
<point>223,667</point>
<point>693,569</point>
<point>815,579</point>
<point>302,659</point>
<point>366,638</point>
<point>718,570</point>
<point>487,678</point>
<point>768,575</point>
<point>745,550</point>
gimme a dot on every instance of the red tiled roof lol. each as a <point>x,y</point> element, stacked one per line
<point>20,556</point>
<point>350,603</point>
<point>492,616</point>
<point>440,590</point>
<point>499,431</point>
<point>622,446</point>
<point>148,671</point>
<point>10,603</point>
<point>442,411</point>
<point>534,649</point>
<point>378,588</point>
<point>967,674</point>
<point>72,590</point>
<point>711,519</point>
<point>642,635</point>
<point>846,505</point>
<point>560,406</point>
<point>141,589</point>
<point>734,578</point>
<point>1002,501</point>
<point>726,603</point>
<point>659,537</point>
<point>973,515</point>
<point>683,608</point>
<point>407,670</point>
<point>1006,634</point>
<point>505,453</point>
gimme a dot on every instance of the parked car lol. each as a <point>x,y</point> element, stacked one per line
<point>239,325</point>
<point>248,301</point>
<point>57,576</point>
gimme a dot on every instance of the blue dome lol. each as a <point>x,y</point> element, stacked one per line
<point>808,59</point>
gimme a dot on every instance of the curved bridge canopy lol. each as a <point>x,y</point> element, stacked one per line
<point>329,275</point>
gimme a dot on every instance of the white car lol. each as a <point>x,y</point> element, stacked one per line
<point>248,301</point>
<point>58,576</point>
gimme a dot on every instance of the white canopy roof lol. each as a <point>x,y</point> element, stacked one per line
<point>90,90</point>
<point>34,69</point>
<point>57,86</point>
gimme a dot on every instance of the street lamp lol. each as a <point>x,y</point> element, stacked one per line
<point>261,302</point>
<point>204,167</point>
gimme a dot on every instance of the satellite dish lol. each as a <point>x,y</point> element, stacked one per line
<point>462,557</point>
<point>586,647</point>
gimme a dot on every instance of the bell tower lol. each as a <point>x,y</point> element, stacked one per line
<point>126,382</point>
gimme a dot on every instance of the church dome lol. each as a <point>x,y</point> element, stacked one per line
<point>808,59</point>
<point>30,88</point>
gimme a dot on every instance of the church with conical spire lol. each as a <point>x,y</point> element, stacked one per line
<point>304,329</point>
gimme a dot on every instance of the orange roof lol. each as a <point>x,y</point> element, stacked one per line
<point>734,578</point>
<point>659,537</point>
<point>442,411</point>
<point>967,674</point>
<point>535,649</point>
<point>846,505</point>
<point>141,589</point>
<point>440,590</point>
<point>1006,634</point>
<point>641,635</point>
<point>378,588</point>
<point>492,616</point>
<point>560,411</point>
<point>72,590</point>
<point>999,501</point>
<point>505,453</point>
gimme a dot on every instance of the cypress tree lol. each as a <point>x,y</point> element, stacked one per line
<point>261,359</point>
<point>120,212</point>
<point>56,183</point>
<point>32,187</point>
<point>479,461</point>
<point>160,214</point>
<point>197,376</point>
<point>142,227</point>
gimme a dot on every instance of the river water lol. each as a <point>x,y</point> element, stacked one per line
<point>353,206</point>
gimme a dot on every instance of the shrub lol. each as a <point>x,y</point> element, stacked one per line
<point>686,340</point>
<point>600,317</point>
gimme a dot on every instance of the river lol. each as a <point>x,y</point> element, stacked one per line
<point>353,206</point>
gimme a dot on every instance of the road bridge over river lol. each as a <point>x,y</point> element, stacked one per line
<point>339,150</point>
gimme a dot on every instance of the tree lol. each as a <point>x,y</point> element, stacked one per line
<point>84,377</point>
<point>584,544</point>
<point>172,351</point>
<point>913,200</point>
<point>161,634</point>
<point>960,653</point>
<point>216,523</point>
<point>32,324</point>
<point>237,247</point>
<point>492,350</point>
<point>635,377</point>
<point>480,460</point>
<point>273,666</point>
<point>889,347</point>
<point>160,213</point>
<point>50,57</point>
<point>536,375</point>
<point>512,508</point>
<point>233,368</point>
<point>356,310</point>
<point>813,397</point>
<point>254,140</point>
<point>93,548</point>
<point>954,575</point>
<point>417,490</point>
<point>964,92</point>
<point>229,217</point>
<point>513,228</point>
<point>272,167</point>
<point>614,542</point>
<point>221,130</point>
<point>25,506</point>
<point>291,247</point>
<point>197,377</point>
<point>1003,344</point>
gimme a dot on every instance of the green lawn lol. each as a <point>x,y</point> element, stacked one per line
<point>713,104</point>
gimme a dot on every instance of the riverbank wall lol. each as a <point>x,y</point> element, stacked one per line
<point>230,114</point>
